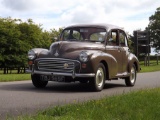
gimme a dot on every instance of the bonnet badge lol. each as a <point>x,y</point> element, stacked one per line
<point>65,65</point>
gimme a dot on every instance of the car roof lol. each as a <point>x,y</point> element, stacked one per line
<point>101,25</point>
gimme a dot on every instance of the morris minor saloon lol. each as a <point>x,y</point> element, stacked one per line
<point>90,54</point>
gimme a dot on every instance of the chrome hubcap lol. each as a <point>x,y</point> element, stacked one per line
<point>133,75</point>
<point>99,77</point>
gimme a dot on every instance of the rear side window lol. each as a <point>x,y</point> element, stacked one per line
<point>122,39</point>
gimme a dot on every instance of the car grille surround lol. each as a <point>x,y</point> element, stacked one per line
<point>57,65</point>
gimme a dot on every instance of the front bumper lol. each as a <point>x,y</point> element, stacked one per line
<point>58,66</point>
<point>73,75</point>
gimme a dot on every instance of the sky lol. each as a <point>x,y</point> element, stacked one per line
<point>128,14</point>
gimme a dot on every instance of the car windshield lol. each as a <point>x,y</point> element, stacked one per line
<point>92,34</point>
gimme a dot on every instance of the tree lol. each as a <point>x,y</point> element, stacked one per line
<point>16,38</point>
<point>9,35</point>
<point>55,33</point>
<point>154,29</point>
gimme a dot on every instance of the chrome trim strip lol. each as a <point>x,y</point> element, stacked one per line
<point>63,74</point>
<point>46,59</point>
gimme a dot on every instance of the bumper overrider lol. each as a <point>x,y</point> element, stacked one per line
<point>57,67</point>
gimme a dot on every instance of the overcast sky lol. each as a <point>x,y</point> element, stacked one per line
<point>129,14</point>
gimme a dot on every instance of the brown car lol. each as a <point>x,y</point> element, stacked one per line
<point>89,54</point>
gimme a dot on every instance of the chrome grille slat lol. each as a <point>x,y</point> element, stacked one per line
<point>53,62</point>
<point>47,64</point>
<point>56,65</point>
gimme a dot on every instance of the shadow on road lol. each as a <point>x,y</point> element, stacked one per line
<point>55,87</point>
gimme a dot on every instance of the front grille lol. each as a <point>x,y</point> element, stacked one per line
<point>56,65</point>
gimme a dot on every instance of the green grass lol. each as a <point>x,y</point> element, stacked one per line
<point>151,68</point>
<point>139,105</point>
<point>14,77</point>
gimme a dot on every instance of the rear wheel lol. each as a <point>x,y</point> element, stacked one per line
<point>97,83</point>
<point>130,81</point>
<point>37,82</point>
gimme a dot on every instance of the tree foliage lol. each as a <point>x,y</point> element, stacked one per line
<point>154,28</point>
<point>55,33</point>
<point>17,37</point>
<point>9,38</point>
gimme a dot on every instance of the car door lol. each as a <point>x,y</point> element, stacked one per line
<point>115,49</point>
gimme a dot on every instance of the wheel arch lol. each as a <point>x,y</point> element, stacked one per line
<point>108,61</point>
<point>136,65</point>
<point>106,68</point>
<point>132,59</point>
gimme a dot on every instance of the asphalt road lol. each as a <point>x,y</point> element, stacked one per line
<point>17,98</point>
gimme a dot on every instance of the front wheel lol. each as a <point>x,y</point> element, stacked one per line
<point>130,81</point>
<point>97,83</point>
<point>37,82</point>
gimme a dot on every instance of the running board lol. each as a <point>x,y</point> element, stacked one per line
<point>125,74</point>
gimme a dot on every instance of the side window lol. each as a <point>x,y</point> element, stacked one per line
<point>122,39</point>
<point>113,38</point>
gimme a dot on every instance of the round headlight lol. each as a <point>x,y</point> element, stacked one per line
<point>31,55</point>
<point>83,56</point>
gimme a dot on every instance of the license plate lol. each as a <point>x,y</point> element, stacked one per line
<point>52,78</point>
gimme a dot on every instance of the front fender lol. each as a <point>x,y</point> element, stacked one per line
<point>109,60</point>
<point>40,52</point>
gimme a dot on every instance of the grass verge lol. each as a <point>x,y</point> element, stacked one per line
<point>14,77</point>
<point>151,68</point>
<point>139,105</point>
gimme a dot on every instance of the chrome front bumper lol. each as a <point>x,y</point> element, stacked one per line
<point>73,75</point>
<point>70,73</point>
